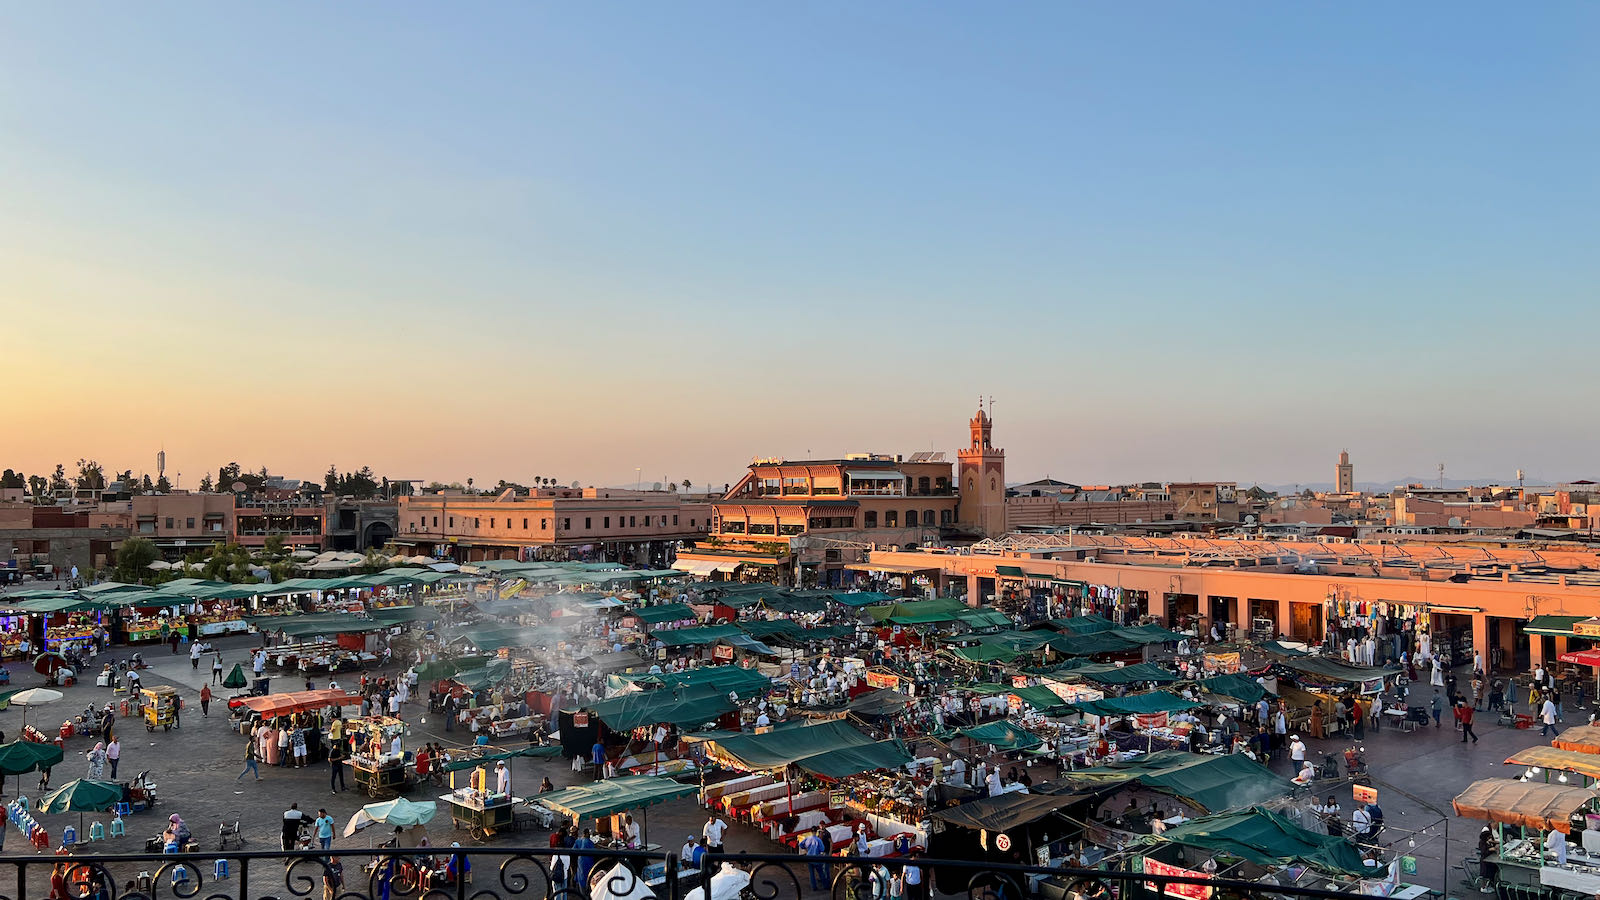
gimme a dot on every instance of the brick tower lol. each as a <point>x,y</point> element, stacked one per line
<point>983,480</point>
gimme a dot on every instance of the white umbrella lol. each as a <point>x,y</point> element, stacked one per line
<point>627,888</point>
<point>33,697</point>
<point>391,812</point>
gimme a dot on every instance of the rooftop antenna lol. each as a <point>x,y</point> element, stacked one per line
<point>1519,479</point>
<point>1441,476</point>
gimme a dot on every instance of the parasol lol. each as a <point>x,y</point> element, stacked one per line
<point>33,697</point>
<point>391,812</point>
<point>48,663</point>
<point>18,757</point>
<point>236,679</point>
<point>80,796</point>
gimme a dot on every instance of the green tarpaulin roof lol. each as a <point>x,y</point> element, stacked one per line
<point>394,615</point>
<point>457,765</point>
<point>1215,783</point>
<point>1557,625</point>
<point>686,709</point>
<point>689,637</point>
<point>1266,839</point>
<point>1012,571</point>
<point>1091,644</point>
<point>779,628</point>
<point>1338,671</point>
<point>490,638</point>
<point>863,598</point>
<point>745,682</point>
<point>1149,634</point>
<point>1003,735</point>
<point>1089,624</point>
<point>1134,704</point>
<point>671,612</point>
<point>486,676</point>
<point>1280,649</point>
<point>1006,811</point>
<point>615,795</point>
<point>982,618</point>
<point>847,761</point>
<point>986,653</point>
<point>1134,674</point>
<point>917,608</point>
<point>1040,698</point>
<point>1239,687</point>
<point>779,748</point>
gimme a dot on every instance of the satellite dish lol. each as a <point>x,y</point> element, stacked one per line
<point>1249,520</point>
<point>1455,522</point>
<point>238,487</point>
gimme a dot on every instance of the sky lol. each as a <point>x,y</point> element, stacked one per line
<point>608,241</point>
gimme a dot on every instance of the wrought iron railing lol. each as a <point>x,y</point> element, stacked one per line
<point>493,873</point>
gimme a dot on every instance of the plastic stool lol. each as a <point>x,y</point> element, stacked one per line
<point>69,835</point>
<point>23,801</point>
<point>219,871</point>
<point>180,875</point>
<point>123,809</point>
<point>97,832</point>
<point>117,828</point>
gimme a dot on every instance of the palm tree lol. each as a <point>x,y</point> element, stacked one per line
<point>687,484</point>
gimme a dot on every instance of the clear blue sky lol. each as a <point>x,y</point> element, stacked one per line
<point>1173,240</point>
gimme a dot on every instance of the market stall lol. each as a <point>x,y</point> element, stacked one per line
<point>380,765</point>
<point>605,801</point>
<point>1541,832</point>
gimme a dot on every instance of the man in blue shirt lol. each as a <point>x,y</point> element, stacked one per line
<point>814,846</point>
<point>585,863</point>
<point>913,878</point>
<point>597,755</point>
<point>699,852</point>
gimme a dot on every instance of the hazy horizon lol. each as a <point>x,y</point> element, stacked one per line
<point>505,241</point>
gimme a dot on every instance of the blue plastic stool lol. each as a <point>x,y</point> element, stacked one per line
<point>220,870</point>
<point>123,809</point>
<point>117,828</point>
<point>97,832</point>
<point>24,802</point>
<point>69,835</point>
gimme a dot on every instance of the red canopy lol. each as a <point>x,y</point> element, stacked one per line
<point>1582,658</point>
<point>299,701</point>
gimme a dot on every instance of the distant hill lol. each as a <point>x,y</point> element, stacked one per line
<point>1383,487</point>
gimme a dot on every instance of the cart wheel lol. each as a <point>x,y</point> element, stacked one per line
<point>480,834</point>
<point>150,728</point>
<point>166,728</point>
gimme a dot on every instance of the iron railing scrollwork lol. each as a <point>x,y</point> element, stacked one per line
<point>526,873</point>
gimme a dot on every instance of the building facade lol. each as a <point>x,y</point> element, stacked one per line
<point>638,527</point>
<point>1344,475</point>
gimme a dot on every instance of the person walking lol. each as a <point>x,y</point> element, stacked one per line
<point>336,755</point>
<point>97,762</point>
<point>713,832</point>
<point>251,760</point>
<point>1547,714</point>
<point>1464,716</point>
<point>293,818</point>
<point>813,846</point>
<point>1438,708</point>
<point>216,667</point>
<point>113,754</point>
<point>324,826</point>
<point>194,657</point>
<point>205,701</point>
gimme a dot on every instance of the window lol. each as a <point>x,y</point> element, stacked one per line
<point>891,519</point>
<point>922,485</point>
<point>169,521</point>
<point>944,517</point>
<point>911,518</point>
<point>647,521</point>
<point>674,520</point>
<point>941,484</point>
<point>732,527</point>
<point>928,518</point>
<point>190,526</point>
<point>762,528</point>
<point>491,523</point>
<point>524,524</point>
<point>605,522</point>
<point>543,524</point>
<point>588,523</point>
<point>791,529</point>
<point>476,522</point>
<point>452,521</point>
<point>691,523</point>
<point>566,524</point>
<point>436,521</point>
<point>870,519</point>
<point>631,522</point>
<point>147,526</point>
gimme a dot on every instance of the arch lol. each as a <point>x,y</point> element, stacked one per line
<point>891,519</point>
<point>869,519</point>
<point>923,484</point>
<point>929,517</point>
<point>376,535</point>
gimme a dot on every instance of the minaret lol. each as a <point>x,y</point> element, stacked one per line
<point>982,480</point>
<point>1344,475</point>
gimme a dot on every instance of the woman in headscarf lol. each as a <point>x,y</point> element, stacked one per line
<point>177,832</point>
<point>97,762</point>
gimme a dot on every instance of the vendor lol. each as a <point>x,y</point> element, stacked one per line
<point>502,778</point>
<point>1556,846</point>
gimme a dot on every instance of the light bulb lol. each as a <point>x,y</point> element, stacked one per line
<point>1412,843</point>
<point>1534,770</point>
<point>1563,778</point>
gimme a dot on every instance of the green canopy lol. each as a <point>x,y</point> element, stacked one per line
<point>847,761</point>
<point>236,679</point>
<point>1003,735</point>
<point>687,709</point>
<point>433,670</point>
<point>1239,687</point>
<point>1333,670</point>
<point>862,598</point>
<point>396,615</point>
<point>1134,705</point>
<point>615,795</point>
<point>776,628</point>
<point>690,637</point>
<point>1214,783</point>
<point>1089,624</point>
<point>18,757</point>
<point>1095,643</point>
<point>781,747</point>
<point>986,653</point>
<point>457,765</point>
<point>1149,634</point>
<point>1278,649</point>
<point>1266,839</point>
<point>1560,626</point>
<point>486,676</point>
<point>738,679</point>
<point>655,615</point>
<point>490,638</point>
<point>82,795</point>
<point>939,609</point>
<point>1040,698</point>
<point>1134,674</point>
<point>5,697</point>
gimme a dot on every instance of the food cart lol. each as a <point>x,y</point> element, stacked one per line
<point>478,810</point>
<point>1523,817</point>
<point>160,705</point>
<point>375,755</point>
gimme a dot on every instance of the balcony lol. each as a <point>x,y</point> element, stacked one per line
<point>526,873</point>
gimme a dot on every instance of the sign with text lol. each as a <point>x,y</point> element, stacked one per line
<point>1364,793</point>
<point>836,799</point>
<point>1186,891</point>
<point>722,652</point>
<point>886,680</point>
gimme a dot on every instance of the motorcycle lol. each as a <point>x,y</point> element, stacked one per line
<point>1355,764</point>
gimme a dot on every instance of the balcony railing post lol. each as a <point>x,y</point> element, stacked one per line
<point>244,878</point>
<point>671,884</point>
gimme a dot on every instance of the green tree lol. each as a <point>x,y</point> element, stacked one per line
<point>91,477</point>
<point>227,475</point>
<point>58,480</point>
<point>134,558</point>
<point>39,486</point>
<point>10,479</point>
<point>206,485</point>
<point>330,480</point>
<point>163,486</point>
<point>687,484</point>
<point>146,486</point>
